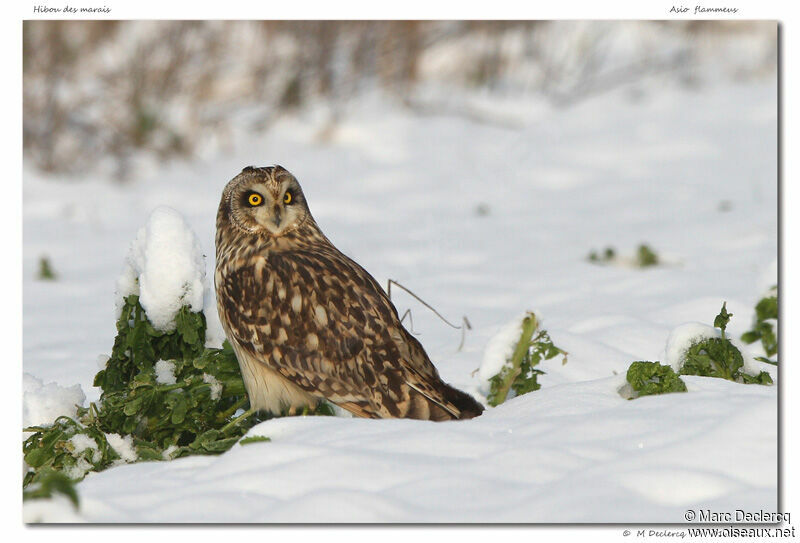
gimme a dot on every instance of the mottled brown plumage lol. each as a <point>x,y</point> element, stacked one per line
<point>306,322</point>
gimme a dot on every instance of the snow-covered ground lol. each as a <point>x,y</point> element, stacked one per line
<point>488,221</point>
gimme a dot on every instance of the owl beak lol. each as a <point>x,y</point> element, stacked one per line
<point>277,220</point>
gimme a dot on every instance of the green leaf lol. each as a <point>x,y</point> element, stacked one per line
<point>324,409</point>
<point>133,405</point>
<point>221,445</point>
<point>49,482</point>
<point>750,337</point>
<point>766,360</point>
<point>179,411</point>
<point>718,357</point>
<point>648,378</point>
<point>721,320</point>
<point>253,439</point>
<point>645,256</point>
<point>767,308</point>
<point>519,373</point>
<point>763,326</point>
<point>38,456</point>
<point>188,326</point>
<point>148,451</point>
<point>45,448</point>
<point>713,357</point>
<point>763,378</point>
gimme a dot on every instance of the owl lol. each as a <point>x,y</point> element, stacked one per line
<point>306,322</point>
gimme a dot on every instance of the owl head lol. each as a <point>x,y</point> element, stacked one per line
<point>265,200</point>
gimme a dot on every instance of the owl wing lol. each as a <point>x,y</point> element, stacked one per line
<point>324,323</point>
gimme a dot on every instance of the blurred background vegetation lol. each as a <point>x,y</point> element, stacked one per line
<point>97,94</point>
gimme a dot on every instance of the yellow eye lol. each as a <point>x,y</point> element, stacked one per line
<point>255,199</point>
<point>287,198</point>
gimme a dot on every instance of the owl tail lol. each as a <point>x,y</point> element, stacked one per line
<point>447,403</point>
<point>466,404</point>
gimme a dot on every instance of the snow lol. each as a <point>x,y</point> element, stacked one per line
<point>687,334</point>
<point>398,192</point>
<point>498,351</point>
<point>78,470</point>
<point>123,446</point>
<point>56,509</point>
<point>169,451</point>
<point>165,372</point>
<point>81,442</point>
<point>768,281</point>
<point>570,453</point>
<point>44,403</point>
<point>165,267</point>
<point>102,361</point>
<point>683,337</point>
<point>216,386</point>
<point>750,365</point>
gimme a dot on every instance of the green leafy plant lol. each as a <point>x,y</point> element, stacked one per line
<point>645,257</point>
<point>763,329</point>
<point>52,482</point>
<point>55,449</point>
<point>520,373</point>
<point>195,414</point>
<point>208,386</point>
<point>648,378</point>
<point>607,255</point>
<point>718,357</point>
<point>46,272</point>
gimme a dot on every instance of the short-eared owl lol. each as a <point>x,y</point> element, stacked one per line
<point>309,324</point>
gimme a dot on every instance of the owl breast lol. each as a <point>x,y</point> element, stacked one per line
<point>256,315</point>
